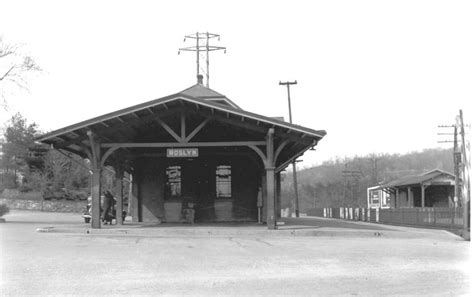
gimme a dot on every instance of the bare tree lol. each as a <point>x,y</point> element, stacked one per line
<point>14,65</point>
<point>56,166</point>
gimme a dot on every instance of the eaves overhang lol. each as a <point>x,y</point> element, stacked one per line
<point>245,115</point>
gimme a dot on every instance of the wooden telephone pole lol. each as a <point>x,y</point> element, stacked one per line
<point>465,169</point>
<point>295,182</point>
<point>462,167</point>
<point>456,161</point>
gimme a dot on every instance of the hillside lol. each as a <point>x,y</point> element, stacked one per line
<point>344,182</point>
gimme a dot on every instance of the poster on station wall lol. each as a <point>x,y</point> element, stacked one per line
<point>182,152</point>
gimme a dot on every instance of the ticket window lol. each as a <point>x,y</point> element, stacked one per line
<point>223,181</point>
<point>173,183</point>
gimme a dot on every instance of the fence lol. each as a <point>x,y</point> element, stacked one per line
<point>426,216</point>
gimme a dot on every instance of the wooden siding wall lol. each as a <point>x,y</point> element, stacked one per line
<point>151,179</point>
<point>150,191</point>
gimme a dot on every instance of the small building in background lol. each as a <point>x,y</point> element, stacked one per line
<point>377,198</point>
<point>434,188</point>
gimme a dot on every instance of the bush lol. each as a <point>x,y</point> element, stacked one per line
<point>50,194</point>
<point>3,210</point>
<point>7,181</point>
<point>25,188</point>
<point>76,195</point>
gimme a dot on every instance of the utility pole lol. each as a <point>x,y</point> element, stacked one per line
<point>462,167</point>
<point>351,178</point>
<point>456,161</point>
<point>375,177</point>
<point>466,167</point>
<point>295,181</point>
<point>202,46</point>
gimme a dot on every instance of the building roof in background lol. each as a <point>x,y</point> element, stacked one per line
<point>437,176</point>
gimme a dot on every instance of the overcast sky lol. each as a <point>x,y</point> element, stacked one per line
<point>378,76</point>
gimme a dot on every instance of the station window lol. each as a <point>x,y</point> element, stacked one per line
<point>223,181</point>
<point>173,182</point>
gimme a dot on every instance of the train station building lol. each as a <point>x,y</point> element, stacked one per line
<point>194,150</point>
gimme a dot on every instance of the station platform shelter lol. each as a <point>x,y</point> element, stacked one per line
<point>195,153</point>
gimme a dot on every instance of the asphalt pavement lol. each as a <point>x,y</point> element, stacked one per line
<point>300,259</point>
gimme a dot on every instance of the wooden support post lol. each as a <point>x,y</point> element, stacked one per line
<point>410,197</point>
<point>270,176</point>
<point>264,197</point>
<point>397,198</point>
<point>271,219</point>
<point>130,195</point>
<point>423,187</point>
<point>96,185</point>
<point>278,195</point>
<point>295,185</point>
<point>134,199</point>
<point>119,195</point>
<point>95,193</point>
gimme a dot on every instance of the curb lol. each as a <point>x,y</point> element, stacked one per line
<point>168,232</point>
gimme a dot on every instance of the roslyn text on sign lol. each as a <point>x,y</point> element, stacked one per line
<point>182,152</point>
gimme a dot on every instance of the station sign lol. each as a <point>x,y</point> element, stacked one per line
<point>182,152</point>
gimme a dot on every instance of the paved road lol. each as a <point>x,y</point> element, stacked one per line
<point>333,223</point>
<point>35,263</point>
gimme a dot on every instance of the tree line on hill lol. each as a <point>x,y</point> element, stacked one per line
<point>344,181</point>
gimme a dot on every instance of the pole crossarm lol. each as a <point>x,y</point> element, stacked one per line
<point>202,48</point>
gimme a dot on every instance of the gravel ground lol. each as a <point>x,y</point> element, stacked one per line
<point>34,263</point>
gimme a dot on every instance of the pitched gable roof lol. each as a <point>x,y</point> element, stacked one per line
<point>419,178</point>
<point>114,127</point>
<point>201,92</point>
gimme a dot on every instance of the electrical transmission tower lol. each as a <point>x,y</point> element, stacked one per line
<point>202,49</point>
